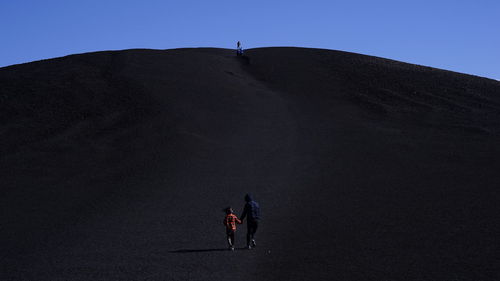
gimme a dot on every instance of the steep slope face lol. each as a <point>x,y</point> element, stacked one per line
<point>115,166</point>
<point>125,156</point>
<point>392,184</point>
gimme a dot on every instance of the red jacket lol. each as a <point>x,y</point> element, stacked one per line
<point>230,221</point>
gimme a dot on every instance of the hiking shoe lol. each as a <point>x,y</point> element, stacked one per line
<point>253,243</point>
<point>232,248</point>
<point>249,247</point>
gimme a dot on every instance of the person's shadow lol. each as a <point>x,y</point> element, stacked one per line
<point>203,250</point>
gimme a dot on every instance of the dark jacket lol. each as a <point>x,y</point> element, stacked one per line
<point>251,209</point>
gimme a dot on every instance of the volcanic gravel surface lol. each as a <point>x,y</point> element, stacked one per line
<point>117,165</point>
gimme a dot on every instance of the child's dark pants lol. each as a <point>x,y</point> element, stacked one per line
<point>230,237</point>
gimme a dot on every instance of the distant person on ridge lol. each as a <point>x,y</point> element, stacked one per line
<point>239,49</point>
<point>230,222</point>
<point>252,212</point>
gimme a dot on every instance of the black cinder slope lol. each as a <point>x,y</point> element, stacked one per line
<point>395,90</point>
<point>115,166</point>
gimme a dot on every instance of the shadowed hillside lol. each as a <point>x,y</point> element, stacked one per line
<point>115,166</point>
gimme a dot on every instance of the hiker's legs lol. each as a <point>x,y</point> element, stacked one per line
<point>251,229</point>
<point>230,238</point>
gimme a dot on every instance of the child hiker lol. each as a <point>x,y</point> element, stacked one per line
<point>230,222</point>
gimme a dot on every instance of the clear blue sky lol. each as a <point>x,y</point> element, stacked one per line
<point>458,35</point>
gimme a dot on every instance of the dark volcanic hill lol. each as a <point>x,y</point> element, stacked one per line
<point>116,165</point>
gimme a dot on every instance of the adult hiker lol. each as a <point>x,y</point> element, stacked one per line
<point>252,212</point>
<point>239,49</point>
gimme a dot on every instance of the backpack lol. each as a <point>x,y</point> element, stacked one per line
<point>254,212</point>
